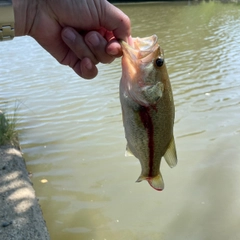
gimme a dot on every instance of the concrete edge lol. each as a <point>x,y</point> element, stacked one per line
<point>20,213</point>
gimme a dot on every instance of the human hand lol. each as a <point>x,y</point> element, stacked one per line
<point>78,33</point>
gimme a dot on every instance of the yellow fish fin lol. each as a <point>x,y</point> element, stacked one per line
<point>171,155</point>
<point>128,152</point>
<point>155,182</point>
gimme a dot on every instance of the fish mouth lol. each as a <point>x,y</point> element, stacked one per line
<point>142,49</point>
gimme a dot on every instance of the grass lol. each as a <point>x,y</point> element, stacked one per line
<point>8,132</point>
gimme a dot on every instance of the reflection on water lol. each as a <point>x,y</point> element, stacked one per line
<point>73,136</point>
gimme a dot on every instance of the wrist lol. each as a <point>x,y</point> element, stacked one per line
<point>24,14</point>
<point>6,20</point>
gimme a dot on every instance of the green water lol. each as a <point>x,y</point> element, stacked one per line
<point>72,132</point>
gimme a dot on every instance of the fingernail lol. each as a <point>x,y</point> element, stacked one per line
<point>88,65</point>
<point>93,40</point>
<point>113,51</point>
<point>69,34</point>
<point>130,41</point>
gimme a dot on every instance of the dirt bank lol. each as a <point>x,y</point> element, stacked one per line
<point>20,214</point>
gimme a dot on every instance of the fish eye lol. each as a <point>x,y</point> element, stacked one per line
<point>159,62</point>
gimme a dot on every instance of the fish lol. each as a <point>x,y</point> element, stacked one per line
<point>148,109</point>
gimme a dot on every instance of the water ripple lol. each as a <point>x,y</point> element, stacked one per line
<point>72,133</point>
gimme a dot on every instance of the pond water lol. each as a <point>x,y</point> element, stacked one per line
<point>72,133</point>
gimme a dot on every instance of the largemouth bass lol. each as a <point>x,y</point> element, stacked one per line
<point>147,108</point>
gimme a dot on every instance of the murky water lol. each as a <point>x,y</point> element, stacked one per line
<point>72,133</point>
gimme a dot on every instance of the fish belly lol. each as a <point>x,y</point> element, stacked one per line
<point>148,131</point>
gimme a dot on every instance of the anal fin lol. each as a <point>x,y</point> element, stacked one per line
<point>128,152</point>
<point>171,154</point>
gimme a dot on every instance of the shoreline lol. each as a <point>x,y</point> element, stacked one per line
<point>21,216</point>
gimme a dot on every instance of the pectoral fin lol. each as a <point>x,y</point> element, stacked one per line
<point>153,93</point>
<point>171,155</point>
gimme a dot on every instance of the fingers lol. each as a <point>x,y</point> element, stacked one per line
<point>114,48</point>
<point>85,68</point>
<point>97,44</point>
<point>86,52</point>
<point>77,44</point>
<point>79,57</point>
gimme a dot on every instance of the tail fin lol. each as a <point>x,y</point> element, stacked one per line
<point>155,182</point>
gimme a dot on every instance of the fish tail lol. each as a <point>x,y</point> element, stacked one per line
<point>155,182</point>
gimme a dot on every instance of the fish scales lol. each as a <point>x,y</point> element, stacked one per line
<point>147,108</point>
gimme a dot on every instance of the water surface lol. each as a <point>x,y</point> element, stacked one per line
<point>72,132</point>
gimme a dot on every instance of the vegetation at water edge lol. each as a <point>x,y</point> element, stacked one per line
<point>8,132</point>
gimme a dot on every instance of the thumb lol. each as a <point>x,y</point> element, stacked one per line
<point>113,19</point>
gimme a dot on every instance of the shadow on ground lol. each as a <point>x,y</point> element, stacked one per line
<point>20,214</point>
